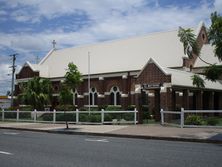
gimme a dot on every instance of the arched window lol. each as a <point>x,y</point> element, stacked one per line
<point>115,96</point>
<point>74,97</point>
<point>93,96</point>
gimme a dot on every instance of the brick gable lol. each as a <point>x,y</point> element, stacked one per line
<point>152,74</point>
<point>26,72</point>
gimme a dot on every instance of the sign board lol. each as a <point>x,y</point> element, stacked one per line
<point>151,86</point>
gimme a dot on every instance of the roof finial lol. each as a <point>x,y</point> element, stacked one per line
<point>53,44</point>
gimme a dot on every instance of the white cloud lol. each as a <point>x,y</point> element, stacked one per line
<point>109,19</point>
<point>4,78</point>
<point>218,5</point>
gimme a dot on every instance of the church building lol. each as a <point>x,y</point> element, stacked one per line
<point>149,70</point>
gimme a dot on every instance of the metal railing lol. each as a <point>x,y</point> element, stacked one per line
<point>34,116</point>
<point>182,117</point>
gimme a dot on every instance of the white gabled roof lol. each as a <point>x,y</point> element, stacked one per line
<point>208,55</point>
<point>183,78</point>
<point>120,55</point>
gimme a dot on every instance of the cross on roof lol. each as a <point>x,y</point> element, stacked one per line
<point>53,44</point>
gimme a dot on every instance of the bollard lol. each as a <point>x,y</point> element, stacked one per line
<point>35,115</point>
<point>17,115</point>
<point>54,116</point>
<point>135,112</point>
<point>3,114</point>
<point>77,116</point>
<point>102,116</point>
<point>182,118</point>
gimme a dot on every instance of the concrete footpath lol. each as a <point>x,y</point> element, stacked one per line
<point>151,131</point>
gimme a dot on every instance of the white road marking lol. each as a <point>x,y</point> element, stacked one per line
<point>97,140</point>
<point>6,153</point>
<point>10,133</point>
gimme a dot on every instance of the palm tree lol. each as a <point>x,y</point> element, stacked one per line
<point>37,92</point>
<point>191,47</point>
<point>189,42</point>
<point>198,81</point>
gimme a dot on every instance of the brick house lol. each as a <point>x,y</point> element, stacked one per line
<point>146,70</point>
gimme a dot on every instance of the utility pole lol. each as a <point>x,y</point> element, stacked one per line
<point>13,75</point>
<point>89,79</point>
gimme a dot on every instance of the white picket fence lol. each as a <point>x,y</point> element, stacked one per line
<point>182,112</point>
<point>35,114</point>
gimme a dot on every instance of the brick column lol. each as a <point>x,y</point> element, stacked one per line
<point>157,105</point>
<point>166,99</point>
<point>199,100</point>
<point>186,99</point>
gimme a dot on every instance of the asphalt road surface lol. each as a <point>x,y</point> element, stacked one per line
<point>32,149</point>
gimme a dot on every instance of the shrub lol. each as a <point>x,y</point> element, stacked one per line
<point>47,117</point>
<point>94,118</point>
<point>194,120</point>
<point>87,109</point>
<point>25,115</point>
<point>26,108</point>
<point>10,115</point>
<point>212,121</point>
<point>59,117</point>
<point>131,108</point>
<point>65,108</point>
<point>113,108</point>
<point>90,118</point>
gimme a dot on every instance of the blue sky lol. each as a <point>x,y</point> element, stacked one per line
<point>27,27</point>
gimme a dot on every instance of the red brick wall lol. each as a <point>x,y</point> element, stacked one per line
<point>26,72</point>
<point>152,74</point>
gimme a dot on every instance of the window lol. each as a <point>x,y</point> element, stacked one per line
<point>74,98</point>
<point>203,36</point>
<point>115,96</point>
<point>93,96</point>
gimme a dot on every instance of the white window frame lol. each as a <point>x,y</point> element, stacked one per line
<point>115,94</point>
<point>93,95</point>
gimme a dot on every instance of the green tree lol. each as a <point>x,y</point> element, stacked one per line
<point>213,72</point>
<point>72,77</point>
<point>215,34</point>
<point>72,80</point>
<point>37,92</point>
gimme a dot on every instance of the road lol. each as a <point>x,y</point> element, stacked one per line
<point>32,149</point>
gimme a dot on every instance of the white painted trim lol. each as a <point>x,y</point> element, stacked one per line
<point>137,88</point>
<point>80,96</point>
<point>90,106</point>
<point>124,95</point>
<point>101,96</point>
<point>101,78</point>
<point>124,76</point>
<point>86,94</point>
